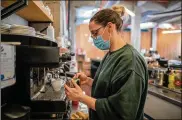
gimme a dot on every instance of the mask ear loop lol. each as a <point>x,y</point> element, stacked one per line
<point>110,39</point>
<point>109,34</point>
<point>103,31</point>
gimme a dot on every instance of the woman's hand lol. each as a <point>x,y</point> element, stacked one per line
<point>83,78</point>
<point>75,93</point>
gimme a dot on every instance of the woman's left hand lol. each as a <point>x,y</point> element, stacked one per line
<point>73,93</point>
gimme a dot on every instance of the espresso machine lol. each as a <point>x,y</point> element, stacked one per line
<point>40,74</point>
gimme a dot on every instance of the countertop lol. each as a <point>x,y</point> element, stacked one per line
<point>164,93</point>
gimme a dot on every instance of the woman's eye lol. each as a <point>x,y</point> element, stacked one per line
<point>95,34</point>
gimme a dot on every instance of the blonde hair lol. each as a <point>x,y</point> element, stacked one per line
<point>119,9</point>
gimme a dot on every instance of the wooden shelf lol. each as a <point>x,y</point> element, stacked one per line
<point>7,83</point>
<point>33,12</point>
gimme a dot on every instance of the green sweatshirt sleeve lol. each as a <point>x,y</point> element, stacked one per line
<point>125,100</point>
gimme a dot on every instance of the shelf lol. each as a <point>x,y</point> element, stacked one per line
<point>33,12</point>
<point>26,40</point>
<point>7,83</point>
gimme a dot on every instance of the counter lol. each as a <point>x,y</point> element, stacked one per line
<point>163,103</point>
<point>164,93</point>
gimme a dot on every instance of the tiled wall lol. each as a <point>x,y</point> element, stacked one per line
<point>15,19</point>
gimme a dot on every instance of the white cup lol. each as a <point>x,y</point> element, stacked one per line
<point>56,84</point>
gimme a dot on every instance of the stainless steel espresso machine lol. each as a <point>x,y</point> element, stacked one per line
<point>40,74</point>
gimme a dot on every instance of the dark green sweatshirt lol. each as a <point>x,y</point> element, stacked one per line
<point>120,86</point>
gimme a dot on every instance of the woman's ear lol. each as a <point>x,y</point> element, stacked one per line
<point>110,27</point>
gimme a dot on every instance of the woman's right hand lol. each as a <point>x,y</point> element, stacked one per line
<point>83,78</point>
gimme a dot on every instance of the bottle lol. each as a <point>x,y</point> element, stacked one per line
<point>166,77</point>
<point>59,41</point>
<point>171,80</point>
<point>50,32</point>
<point>157,78</point>
<point>161,78</point>
<point>178,81</point>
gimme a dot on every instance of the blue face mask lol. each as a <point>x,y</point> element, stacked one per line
<point>100,43</point>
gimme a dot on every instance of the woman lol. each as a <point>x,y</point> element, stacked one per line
<point>119,88</point>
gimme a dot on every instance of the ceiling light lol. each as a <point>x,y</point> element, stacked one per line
<point>96,9</point>
<point>86,21</point>
<point>171,31</point>
<point>165,26</point>
<point>147,25</point>
<point>89,13</point>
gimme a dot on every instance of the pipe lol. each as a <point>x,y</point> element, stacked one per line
<point>63,18</point>
<point>174,6</point>
<point>165,14</point>
<point>6,12</point>
<point>172,20</point>
<point>69,8</point>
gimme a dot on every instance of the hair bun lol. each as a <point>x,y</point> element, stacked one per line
<point>119,9</point>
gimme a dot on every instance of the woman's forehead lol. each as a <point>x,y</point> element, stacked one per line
<point>93,26</point>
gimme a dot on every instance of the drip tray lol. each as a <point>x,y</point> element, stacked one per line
<point>48,116</point>
<point>48,94</point>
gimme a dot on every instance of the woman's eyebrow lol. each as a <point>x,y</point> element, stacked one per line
<point>92,31</point>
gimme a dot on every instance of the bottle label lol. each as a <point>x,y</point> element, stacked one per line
<point>177,83</point>
<point>7,65</point>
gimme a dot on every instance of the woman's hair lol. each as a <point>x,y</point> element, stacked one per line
<point>113,15</point>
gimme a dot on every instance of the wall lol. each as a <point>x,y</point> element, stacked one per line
<point>146,40</point>
<point>126,36</point>
<point>169,45</point>
<point>15,19</point>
